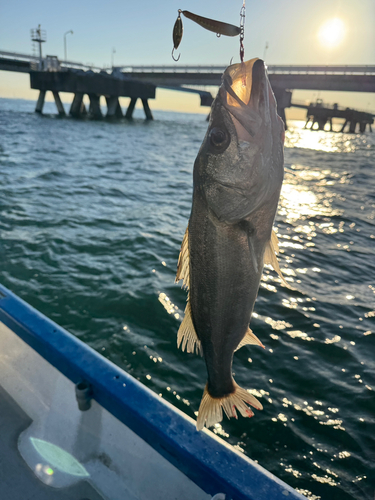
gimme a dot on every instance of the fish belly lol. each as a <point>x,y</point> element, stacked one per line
<point>224,282</point>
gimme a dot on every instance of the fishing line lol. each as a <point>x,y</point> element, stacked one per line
<point>242,36</point>
<point>242,28</point>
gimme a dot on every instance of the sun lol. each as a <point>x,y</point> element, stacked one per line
<point>332,33</point>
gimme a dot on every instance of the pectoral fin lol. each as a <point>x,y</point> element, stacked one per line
<point>249,339</point>
<point>187,336</point>
<point>183,262</point>
<point>270,257</point>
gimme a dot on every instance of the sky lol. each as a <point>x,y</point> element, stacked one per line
<point>141,33</point>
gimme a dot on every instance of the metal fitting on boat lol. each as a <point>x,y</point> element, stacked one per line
<point>83,395</point>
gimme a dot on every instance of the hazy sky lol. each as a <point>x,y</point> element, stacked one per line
<point>141,33</point>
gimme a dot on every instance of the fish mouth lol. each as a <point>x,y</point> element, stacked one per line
<point>246,93</point>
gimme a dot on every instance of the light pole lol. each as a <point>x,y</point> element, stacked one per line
<point>113,56</point>
<point>67,33</point>
<point>265,51</point>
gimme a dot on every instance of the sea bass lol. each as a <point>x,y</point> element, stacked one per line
<point>237,179</point>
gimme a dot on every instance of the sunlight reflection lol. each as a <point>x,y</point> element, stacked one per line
<point>298,334</point>
<point>320,140</point>
<point>168,305</point>
<point>297,202</point>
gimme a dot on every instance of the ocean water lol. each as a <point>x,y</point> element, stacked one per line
<point>92,215</point>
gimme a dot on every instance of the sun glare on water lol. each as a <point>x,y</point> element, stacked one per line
<point>332,32</point>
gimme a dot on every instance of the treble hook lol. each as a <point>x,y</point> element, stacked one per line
<point>178,30</point>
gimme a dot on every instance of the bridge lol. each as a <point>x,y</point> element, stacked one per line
<point>283,78</point>
<point>338,78</point>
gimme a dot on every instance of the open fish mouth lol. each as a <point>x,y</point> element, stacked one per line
<point>247,94</point>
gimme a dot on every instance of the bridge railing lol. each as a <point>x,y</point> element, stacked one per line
<point>318,70</point>
<point>213,69</point>
<point>15,56</point>
<point>272,69</point>
<point>172,69</point>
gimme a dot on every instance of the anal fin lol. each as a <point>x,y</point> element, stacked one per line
<point>249,339</point>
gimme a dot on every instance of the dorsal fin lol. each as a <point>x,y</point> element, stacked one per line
<point>183,262</point>
<point>187,336</point>
<point>249,339</point>
<point>270,257</point>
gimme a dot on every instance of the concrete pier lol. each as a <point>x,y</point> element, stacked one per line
<point>113,107</point>
<point>94,109</point>
<point>147,110</point>
<point>77,108</point>
<point>129,111</point>
<point>94,85</point>
<point>59,105</point>
<point>40,102</point>
<point>321,115</point>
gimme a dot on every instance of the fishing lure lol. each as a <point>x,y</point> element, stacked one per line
<point>209,24</point>
<point>178,30</point>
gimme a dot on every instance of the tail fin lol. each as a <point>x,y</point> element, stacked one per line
<point>211,409</point>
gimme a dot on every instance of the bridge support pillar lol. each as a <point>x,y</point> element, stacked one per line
<point>308,118</point>
<point>77,108</point>
<point>113,107</point>
<point>352,127</point>
<point>343,127</point>
<point>40,102</point>
<point>59,105</point>
<point>206,99</point>
<point>283,100</point>
<point>147,109</point>
<point>129,111</point>
<point>95,110</point>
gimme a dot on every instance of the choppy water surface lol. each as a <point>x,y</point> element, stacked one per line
<point>91,219</point>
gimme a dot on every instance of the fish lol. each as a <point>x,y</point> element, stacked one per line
<point>237,178</point>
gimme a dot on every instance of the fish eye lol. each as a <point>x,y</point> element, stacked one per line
<point>219,137</point>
